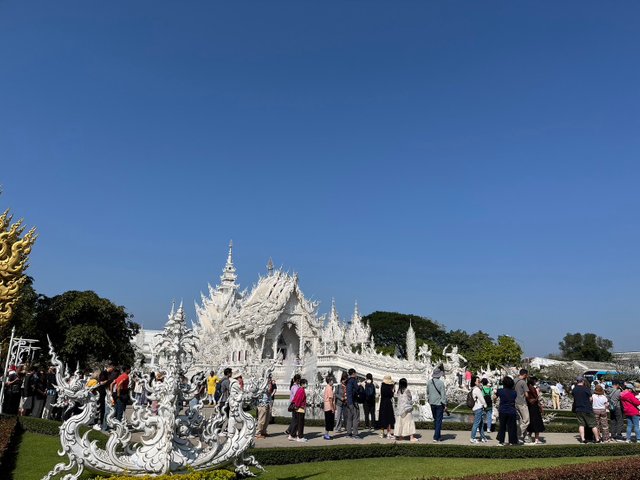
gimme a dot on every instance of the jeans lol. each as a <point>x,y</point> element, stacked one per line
<point>488,415</point>
<point>633,422</point>
<point>477,423</point>
<point>340,414</point>
<point>121,405</point>
<point>438,413</point>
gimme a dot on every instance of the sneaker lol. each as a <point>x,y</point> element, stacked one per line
<point>290,438</point>
<point>391,437</point>
<point>437,440</point>
<point>327,437</point>
<point>302,440</point>
<point>96,427</point>
<point>414,439</point>
<point>483,440</point>
<point>501,444</point>
<point>473,440</point>
<point>528,444</point>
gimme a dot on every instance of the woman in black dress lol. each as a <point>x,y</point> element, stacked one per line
<point>386,417</point>
<point>536,425</point>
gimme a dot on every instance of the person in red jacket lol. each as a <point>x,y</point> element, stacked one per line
<point>630,409</point>
<point>300,401</point>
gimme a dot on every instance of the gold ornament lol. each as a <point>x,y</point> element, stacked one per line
<point>14,253</point>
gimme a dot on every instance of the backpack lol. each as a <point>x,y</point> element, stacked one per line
<point>370,392</point>
<point>359,394</point>
<point>487,396</point>
<point>470,400</point>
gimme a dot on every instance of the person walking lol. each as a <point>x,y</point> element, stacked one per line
<point>600,405</point>
<point>487,392</point>
<point>437,398</point>
<point>479,407</point>
<point>369,404</point>
<point>536,425</point>
<point>507,413</point>
<point>293,425</point>
<point>521,390</point>
<point>13,385</point>
<point>341,402</point>
<point>212,383</point>
<point>617,416</point>
<point>122,392</point>
<point>583,410</point>
<point>264,410</point>
<point>630,408</point>
<point>555,397</point>
<point>329,403</point>
<point>300,402</point>
<point>353,412</point>
<point>386,416</point>
<point>405,426</point>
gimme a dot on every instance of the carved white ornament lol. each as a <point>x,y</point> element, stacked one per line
<point>172,440</point>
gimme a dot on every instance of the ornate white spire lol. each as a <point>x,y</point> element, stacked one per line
<point>411,344</point>
<point>358,332</point>
<point>228,277</point>
<point>270,266</point>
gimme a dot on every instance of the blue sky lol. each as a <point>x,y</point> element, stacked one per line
<point>474,162</point>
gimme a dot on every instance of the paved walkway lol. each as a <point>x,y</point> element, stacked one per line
<point>277,438</point>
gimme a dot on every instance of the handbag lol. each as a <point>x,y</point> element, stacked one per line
<point>292,407</point>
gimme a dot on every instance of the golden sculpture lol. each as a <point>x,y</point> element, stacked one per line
<point>14,253</point>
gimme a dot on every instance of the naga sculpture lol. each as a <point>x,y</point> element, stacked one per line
<point>171,440</point>
<point>14,252</point>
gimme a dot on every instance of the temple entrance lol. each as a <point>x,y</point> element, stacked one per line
<point>289,342</point>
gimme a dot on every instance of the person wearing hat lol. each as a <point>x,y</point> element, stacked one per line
<point>437,398</point>
<point>600,404</point>
<point>386,416</point>
<point>584,410</point>
<point>630,409</point>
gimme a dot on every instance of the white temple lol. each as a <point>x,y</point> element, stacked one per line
<point>274,321</point>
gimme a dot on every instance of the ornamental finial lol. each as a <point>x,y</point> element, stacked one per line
<point>270,266</point>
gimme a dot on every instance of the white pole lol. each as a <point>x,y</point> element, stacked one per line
<point>6,367</point>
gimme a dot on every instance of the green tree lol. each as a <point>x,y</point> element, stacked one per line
<point>389,330</point>
<point>82,326</point>
<point>588,346</point>
<point>506,351</point>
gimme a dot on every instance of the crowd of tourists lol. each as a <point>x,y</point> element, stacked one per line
<point>514,408</point>
<point>514,404</point>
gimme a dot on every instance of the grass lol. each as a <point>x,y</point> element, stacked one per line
<point>37,454</point>
<point>408,468</point>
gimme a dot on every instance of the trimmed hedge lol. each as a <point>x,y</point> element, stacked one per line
<point>284,456</point>
<point>619,469</point>
<point>8,429</point>
<point>40,425</point>
<point>210,475</point>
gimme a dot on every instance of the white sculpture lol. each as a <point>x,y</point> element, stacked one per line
<point>171,440</point>
<point>411,344</point>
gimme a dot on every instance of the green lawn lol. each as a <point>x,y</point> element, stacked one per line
<point>37,454</point>
<point>409,468</point>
